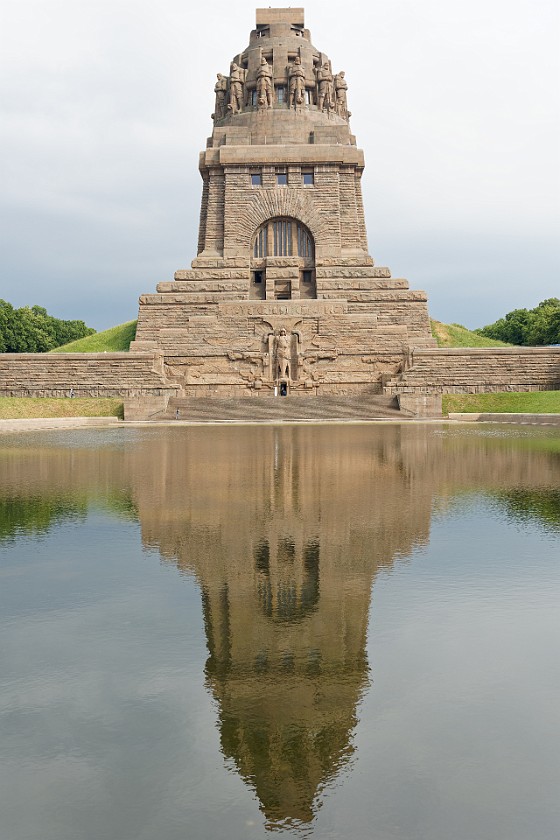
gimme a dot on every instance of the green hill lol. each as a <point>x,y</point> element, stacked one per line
<point>455,335</point>
<point>110,341</point>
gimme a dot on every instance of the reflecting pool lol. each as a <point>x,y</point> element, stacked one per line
<point>319,631</point>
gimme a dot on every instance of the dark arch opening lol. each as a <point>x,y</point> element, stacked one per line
<point>288,238</point>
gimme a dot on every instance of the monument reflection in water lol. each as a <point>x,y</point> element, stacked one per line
<point>280,534</point>
<point>285,529</point>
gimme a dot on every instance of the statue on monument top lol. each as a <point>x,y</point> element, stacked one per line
<point>340,88</point>
<point>264,84</point>
<point>325,98</point>
<point>236,85</point>
<point>296,82</point>
<point>220,90</point>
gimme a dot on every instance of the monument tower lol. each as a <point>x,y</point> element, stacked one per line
<point>282,297</point>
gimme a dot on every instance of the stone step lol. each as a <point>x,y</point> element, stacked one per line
<point>269,408</point>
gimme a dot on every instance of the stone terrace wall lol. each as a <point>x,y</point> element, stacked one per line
<point>89,374</point>
<point>479,371</point>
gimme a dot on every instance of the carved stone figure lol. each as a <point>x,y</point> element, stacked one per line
<point>236,85</point>
<point>264,84</point>
<point>340,87</point>
<point>282,353</point>
<point>296,82</point>
<point>325,99</point>
<point>220,91</point>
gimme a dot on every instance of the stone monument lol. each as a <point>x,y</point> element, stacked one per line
<point>283,296</point>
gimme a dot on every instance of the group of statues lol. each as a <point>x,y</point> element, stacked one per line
<point>330,90</point>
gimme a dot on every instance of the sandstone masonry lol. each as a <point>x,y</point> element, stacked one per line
<point>283,296</point>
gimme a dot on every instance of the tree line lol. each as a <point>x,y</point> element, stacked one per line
<point>537,326</point>
<point>31,329</point>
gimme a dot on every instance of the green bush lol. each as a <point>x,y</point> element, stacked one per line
<point>533,327</point>
<point>33,330</point>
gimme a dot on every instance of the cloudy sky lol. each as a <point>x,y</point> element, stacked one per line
<point>106,105</point>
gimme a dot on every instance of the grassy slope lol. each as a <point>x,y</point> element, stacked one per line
<point>111,340</point>
<point>533,402</point>
<point>455,335</point>
<point>24,407</point>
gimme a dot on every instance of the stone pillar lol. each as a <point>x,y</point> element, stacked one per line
<point>214,240</point>
<point>203,214</point>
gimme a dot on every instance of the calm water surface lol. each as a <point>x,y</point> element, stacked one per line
<point>327,632</point>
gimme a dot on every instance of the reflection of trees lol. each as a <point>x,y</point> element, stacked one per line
<point>42,486</point>
<point>531,505</point>
<point>35,515</point>
<point>121,504</point>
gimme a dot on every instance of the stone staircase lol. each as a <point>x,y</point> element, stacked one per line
<point>282,409</point>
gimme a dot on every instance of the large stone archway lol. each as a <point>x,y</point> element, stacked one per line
<point>283,261</point>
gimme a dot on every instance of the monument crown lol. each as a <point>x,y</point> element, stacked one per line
<point>280,71</point>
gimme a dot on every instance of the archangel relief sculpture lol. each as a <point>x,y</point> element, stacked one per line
<point>282,355</point>
<point>296,83</point>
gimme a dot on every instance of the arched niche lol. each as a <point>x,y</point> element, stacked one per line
<point>283,242</point>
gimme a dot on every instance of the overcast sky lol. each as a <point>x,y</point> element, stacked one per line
<point>106,105</point>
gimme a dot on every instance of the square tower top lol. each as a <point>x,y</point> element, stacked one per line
<point>293,17</point>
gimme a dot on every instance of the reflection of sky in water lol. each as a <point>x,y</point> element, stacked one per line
<point>105,713</point>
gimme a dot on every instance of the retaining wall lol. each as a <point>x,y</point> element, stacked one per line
<point>87,374</point>
<point>468,370</point>
<point>140,375</point>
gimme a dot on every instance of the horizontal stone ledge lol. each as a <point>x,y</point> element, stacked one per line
<point>208,274</point>
<point>482,386</point>
<point>218,261</point>
<point>66,382</point>
<point>61,392</point>
<point>468,388</point>
<point>272,154</point>
<point>344,269</point>
<point>197,287</point>
<point>345,261</point>
<point>491,363</point>
<point>483,374</point>
<point>404,296</point>
<point>358,284</point>
<point>57,358</point>
<point>489,351</point>
<point>180,298</point>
